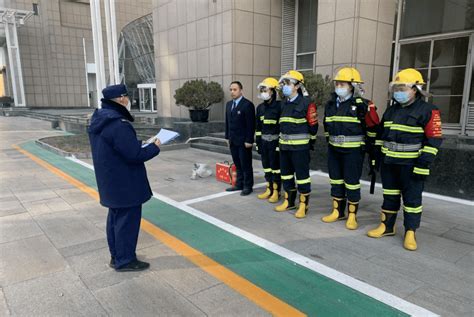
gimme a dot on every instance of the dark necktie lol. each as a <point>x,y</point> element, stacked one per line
<point>234,104</point>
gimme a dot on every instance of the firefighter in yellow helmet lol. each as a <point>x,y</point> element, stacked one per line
<point>350,124</point>
<point>409,138</point>
<point>267,132</point>
<point>298,128</point>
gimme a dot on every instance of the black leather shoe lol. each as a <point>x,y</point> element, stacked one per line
<point>112,262</point>
<point>233,189</point>
<point>134,266</point>
<point>246,191</point>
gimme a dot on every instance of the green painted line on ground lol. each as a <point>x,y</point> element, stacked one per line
<point>298,286</point>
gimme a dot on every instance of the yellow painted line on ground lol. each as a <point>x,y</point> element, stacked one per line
<point>254,293</point>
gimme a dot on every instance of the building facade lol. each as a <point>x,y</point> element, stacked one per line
<point>56,49</point>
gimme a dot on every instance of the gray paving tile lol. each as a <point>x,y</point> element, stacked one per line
<point>56,294</point>
<point>461,236</point>
<point>442,302</point>
<point>67,228</point>
<point>145,295</point>
<point>467,263</point>
<point>17,227</point>
<point>220,300</point>
<point>28,258</point>
<point>82,248</point>
<point>4,311</point>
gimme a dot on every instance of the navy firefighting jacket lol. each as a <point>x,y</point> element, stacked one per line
<point>298,124</point>
<point>119,157</point>
<point>415,126</point>
<point>266,121</point>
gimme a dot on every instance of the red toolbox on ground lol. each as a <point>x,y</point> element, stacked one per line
<point>226,172</point>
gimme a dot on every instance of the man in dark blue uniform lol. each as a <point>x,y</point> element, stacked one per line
<point>239,131</point>
<point>121,176</point>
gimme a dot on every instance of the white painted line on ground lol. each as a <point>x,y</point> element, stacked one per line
<point>362,287</point>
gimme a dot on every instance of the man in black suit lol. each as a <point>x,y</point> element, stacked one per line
<point>240,131</point>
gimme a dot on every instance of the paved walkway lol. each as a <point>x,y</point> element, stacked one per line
<point>212,253</point>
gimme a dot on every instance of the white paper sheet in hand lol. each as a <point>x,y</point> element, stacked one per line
<point>164,135</point>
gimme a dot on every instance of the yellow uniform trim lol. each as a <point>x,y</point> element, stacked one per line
<point>406,128</point>
<point>270,121</point>
<point>287,177</point>
<point>378,142</point>
<point>342,119</point>
<point>414,210</point>
<point>293,120</point>
<point>406,155</point>
<point>429,149</point>
<point>347,144</point>
<point>276,171</point>
<point>371,134</point>
<point>303,181</point>
<point>258,133</point>
<point>352,186</point>
<point>391,191</point>
<point>421,171</point>
<point>336,181</point>
<point>267,170</point>
<point>294,142</point>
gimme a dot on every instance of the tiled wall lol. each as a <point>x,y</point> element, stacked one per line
<point>357,33</point>
<point>218,40</point>
<point>52,51</point>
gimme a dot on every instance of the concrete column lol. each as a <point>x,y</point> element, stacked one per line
<point>357,33</point>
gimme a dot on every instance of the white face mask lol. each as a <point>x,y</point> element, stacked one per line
<point>129,105</point>
<point>264,96</point>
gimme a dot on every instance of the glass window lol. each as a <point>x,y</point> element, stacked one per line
<point>450,52</point>
<point>449,106</point>
<point>443,16</point>
<point>304,61</point>
<point>446,72</point>
<point>416,55</point>
<point>306,36</point>
<point>447,81</point>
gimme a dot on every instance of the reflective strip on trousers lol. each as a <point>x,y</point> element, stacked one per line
<point>352,186</point>
<point>414,210</point>
<point>303,181</point>
<point>287,177</point>
<point>391,191</point>
<point>336,181</point>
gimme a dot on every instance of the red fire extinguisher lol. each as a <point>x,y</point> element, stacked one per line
<point>233,174</point>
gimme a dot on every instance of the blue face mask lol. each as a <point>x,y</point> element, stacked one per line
<point>287,91</point>
<point>401,97</point>
<point>342,92</point>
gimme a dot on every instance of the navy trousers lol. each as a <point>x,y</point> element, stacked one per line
<point>398,182</point>
<point>345,170</point>
<point>123,226</point>
<point>295,163</point>
<point>271,161</point>
<point>242,158</point>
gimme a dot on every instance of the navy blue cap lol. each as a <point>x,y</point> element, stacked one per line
<point>114,91</point>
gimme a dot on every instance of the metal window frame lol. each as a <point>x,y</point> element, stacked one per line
<point>295,52</point>
<point>461,126</point>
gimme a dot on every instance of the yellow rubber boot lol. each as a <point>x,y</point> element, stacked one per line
<point>267,193</point>
<point>275,197</point>
<point>351,222</point>
<point>338,207</point>
<point>410,241</point>
<point>303,207</point>
<point>288,203</point>
<point>386,227</point>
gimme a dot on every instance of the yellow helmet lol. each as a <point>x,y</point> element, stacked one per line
<point>348,74</point>
<point>292,74</point>
<point>409,76</point>
<point>269,82</point>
